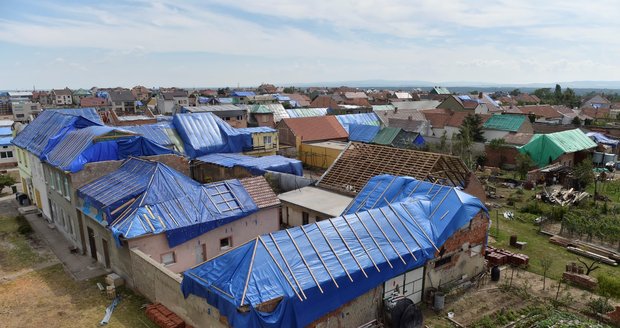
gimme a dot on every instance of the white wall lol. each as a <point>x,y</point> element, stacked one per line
<point>38,183</point>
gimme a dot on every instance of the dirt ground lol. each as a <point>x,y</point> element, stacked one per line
<point>489,298</point>
<point>35,290</point>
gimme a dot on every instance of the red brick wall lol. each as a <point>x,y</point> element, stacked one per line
<point>475,234</point>
<point>502,155</point>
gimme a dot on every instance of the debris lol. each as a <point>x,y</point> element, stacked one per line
<point>109,310</point>
<point>100,286</point>
<point>163,317</point>
<point>508,215</point>
<point>561,196</point>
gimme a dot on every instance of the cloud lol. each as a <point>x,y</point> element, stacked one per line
<point>298,41</point>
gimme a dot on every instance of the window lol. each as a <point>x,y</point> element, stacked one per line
<point>267,140</point>
<point>239,118</point>
<point>3,154</point>
<point>66,188</point>
<point>443,261</point>
<point>226,118</point>
<point>9,154</point>
<point>305,218</point>
<point>168,258</point>
<point>58,183</point>
<point>225,243</point>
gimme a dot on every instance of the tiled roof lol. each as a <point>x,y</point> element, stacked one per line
<point>407,125</point>
<point>407,114</point>
<point>457,118</point>
<point>324,101</point>
<point>437,120</point>
<point>546,111</point>
<point>122,96</point>
<point>260,191</point>
<point>596,112</point>
<point>518,139</point>
<point>302,100</point>
<point>354,95</point>
<point>316,128</point>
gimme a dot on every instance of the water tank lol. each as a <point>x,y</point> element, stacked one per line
<point>597,157</point>
<point>495,273</point>
<point>394,311</point>
<point>412,317</point>
<point>439,301</point>
<point>609,158</point>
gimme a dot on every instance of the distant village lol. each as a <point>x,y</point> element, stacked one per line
<point>300,207</point>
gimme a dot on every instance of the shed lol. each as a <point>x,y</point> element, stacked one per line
<point>546,148</point>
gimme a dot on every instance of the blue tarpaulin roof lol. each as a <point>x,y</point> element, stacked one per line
<point>78,147</point>
<point>362,118</point>
<point>5,131</point>
<point>162,133</point>
<point>362,132</point>
<point>601,138</point>
<point>205,133</point>
<point>6,141</point>
<point>257,129</point>
<point>51,124</point>
<point>243,94</point>
<point>319,267</point>
<point>256,165</point>
<point>153,198</point>
<point>86,112</point>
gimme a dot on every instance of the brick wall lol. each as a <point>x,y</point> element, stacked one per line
<point>500,156</point>
<point>474,234</point>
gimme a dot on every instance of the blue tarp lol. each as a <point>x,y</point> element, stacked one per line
<point>5,131</point>
<point>205,133</point>
<point>162,133</point>
<point>362,118</point>
<point>76,148</point>
<point>348,256</point>
<point>256,165</point>
<point>50,124</point>
<point>154,199</point>
<point>243,94</point>
<point>257,129</point>
<point>86,112</point>
<point>6,141</point>
<point>362,132</point>
<point>601,138</point>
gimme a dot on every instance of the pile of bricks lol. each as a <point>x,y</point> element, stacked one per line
<point>163,317</point>
<point>580,280</point>
<point>498,256</point>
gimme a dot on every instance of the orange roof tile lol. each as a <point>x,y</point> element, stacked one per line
<point>316,128</point>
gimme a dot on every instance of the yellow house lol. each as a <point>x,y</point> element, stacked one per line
<point>264,141</point>
<point>320,154</point>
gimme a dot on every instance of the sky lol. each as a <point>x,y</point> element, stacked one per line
<point>83,43</point>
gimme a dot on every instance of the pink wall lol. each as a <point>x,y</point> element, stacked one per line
<point>188,254</point>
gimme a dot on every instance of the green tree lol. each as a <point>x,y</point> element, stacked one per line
<point>515,92</point>
<point>472,128</point>
<point>543,93</point>
<point>443,143</point>
<point>289,90</point>
<point>5,181</point>
<point>557,94</point>
<point>524,164</point>
<point>576,121</point>
<point>496,144</point>
<point>583,173</point>
<point>545,263</point>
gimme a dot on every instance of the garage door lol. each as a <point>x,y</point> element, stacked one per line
<point>409,284</point>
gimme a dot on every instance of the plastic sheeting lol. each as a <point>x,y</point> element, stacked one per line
<point>78,147</point>
<point>162,133</point>
<point>362,118</point>
<point>88,113</point>
<point>363,133</point>
<point>50,124</point>
<point>205,133</point>
<point>306,112</point>
<point>546,148</point>
<point>256,165</point>
<point>319,267</point>
<point>152,198</point>
<point>601,138</point>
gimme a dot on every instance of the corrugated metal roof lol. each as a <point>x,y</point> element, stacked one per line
<point>73,144</point>
<point>386,136</point>
<point>306,112</point>
<point>510,123</point>
<point>361,118</point>
<point>382,107</point>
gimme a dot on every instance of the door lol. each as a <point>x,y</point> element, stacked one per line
<point>91,242</point>
<point>204,252</point>
<point>409,284</point>
<point>37,197</point>
<point>106,252</point>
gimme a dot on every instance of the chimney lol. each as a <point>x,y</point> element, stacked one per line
<point>410,118</point>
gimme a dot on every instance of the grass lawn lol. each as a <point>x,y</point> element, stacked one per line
<point>538,245</point>
<point>16,252</point>
<point>50,298</point>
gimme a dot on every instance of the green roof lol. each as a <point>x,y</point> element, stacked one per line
<point>386,136</point>
<point>260,109</point>
<point>546,148</point>
<point>81,92</point>
<point>382,107</point>
<point>510,123</point>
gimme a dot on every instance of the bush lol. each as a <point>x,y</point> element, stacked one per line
<point>609,286</point>
<point>599,305</point>
<point>532,207</point>
<point>24,227</point>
